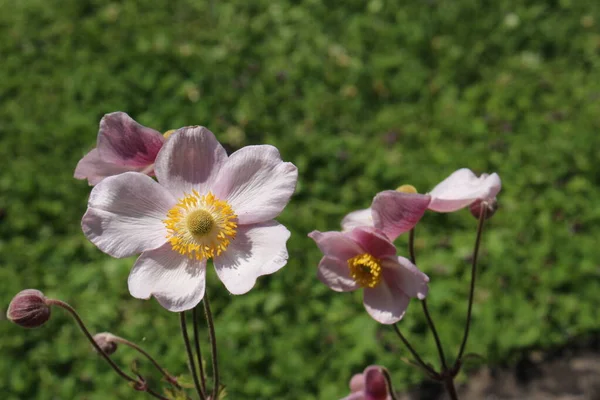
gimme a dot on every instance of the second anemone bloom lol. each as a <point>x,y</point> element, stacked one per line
<point>205,205</point>
<point>365,258</point>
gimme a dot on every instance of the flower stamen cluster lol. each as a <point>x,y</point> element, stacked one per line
<point>365,270</point>
<point>201,227</point>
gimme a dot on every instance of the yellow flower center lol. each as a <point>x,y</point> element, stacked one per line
<point>201,227</point>
<point>406,189</point>
<point>365,270</point>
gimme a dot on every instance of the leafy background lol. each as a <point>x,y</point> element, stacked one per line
<point>362,96</point>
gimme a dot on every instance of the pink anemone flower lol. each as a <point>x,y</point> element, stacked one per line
<point>397,212</point>
<point>369,385</point>
<point>205,205</point>
<point>365,258</point>
<point>123,145</point>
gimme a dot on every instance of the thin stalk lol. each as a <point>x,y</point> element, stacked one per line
<point>137,383</point>
<point>171,379</point>
<point>198,351</point>
<point>388,380</point>
<point>213,346</point>
<point>438,342</point>
<point>482,215</point>
<point>449,385</point>
<point>188,349</point>
<point>432,374</point>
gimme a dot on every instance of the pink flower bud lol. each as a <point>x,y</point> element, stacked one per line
<point>490,205</point>
<point>29,309</point>
<point>106,343</point>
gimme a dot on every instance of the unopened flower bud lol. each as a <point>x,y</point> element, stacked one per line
<point>29,309</point>
<point>406,189</point>
<point>490,206</point>
<point>105,342</point>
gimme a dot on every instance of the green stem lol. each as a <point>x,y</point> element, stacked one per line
<point>213,344</point>
<point>198,351</point>
<point>188,349</point>
<point>430,372</point>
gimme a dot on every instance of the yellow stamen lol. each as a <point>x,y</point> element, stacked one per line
<point>365,270</point>
<point>406,189</point>
<point>201,227</point>
<point>169,133</point>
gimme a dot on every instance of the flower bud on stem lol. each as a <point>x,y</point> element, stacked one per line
<point>138,384</point>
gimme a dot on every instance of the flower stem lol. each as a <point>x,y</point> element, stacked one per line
<point>198,351</point>
<point>138,384</point>
<point>188,349</point>
<point>213,344</point>
<point>449,385</point>
<point>432,374</point>
<point>438,343</point>
<point>388,380</point>
<point>171,379</point>
<point>472,288</point>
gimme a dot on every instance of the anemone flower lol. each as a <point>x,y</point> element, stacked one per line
<point>123,145</point>
<point>365,258</point>
<point>369,385</point>
<point>398,211</point>
<point>205,205</point>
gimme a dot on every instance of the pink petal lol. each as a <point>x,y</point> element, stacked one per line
<point>375,384</point>
<point>462,188</point>
<point>355,396</point>
<point>190,159</point>
<point>403,275</point>
<point>257,183</point>
<point>257,250</point>
<point>94,169</point>
<point>125,213</point>
<point>336,244</point>
<point>386,305</point>
<point>395,213</point>
<point>357,383</point>
<point>123,141</point>
<point>373,241</point>
<point>356,219</point>
<point>335,273</point>
<point>176,281</point>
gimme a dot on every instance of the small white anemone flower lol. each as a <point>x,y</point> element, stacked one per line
<point>205,205</point>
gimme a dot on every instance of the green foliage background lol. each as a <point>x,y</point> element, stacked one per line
<point>362,96</point>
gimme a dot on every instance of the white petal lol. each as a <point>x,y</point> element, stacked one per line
<point>256,183</point>
<point>336,244</point>
<point>356,219</point>
<point>386,305</point>
<point>176,281</point>
<point>257,250</point>
<point>402,274</point>
<point>462,188</point>
<point>190,159</point>
<point>335,273</point>
<point>125,213</point>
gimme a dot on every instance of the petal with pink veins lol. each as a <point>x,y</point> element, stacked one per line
<point>123,141</point>
<point>176,281</point>
<point>356,219</point>
<point>374,242</point>
<point>386,305</point>
<point>190,159</point>
<point>125,214</point>
<point>462,188</point>
<point>94,169</point>
<point>256,183</point>
<point>335,273</point>
<point>395,212</point>
<point>257,250</point>
<point>336,244</point>
<point>403,275</point>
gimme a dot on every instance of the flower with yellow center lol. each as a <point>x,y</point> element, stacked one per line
<point>365,258</point>
<point>205,205</point>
